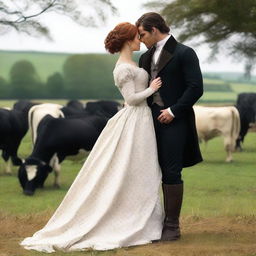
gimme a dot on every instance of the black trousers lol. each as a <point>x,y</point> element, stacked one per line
<point>171,140</point>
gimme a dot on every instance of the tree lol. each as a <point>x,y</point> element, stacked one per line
<point>90,76</point>
<point>24,80</point>
<point>21,15</point>
<point>55,86</point>
<point>229,24</point>
<point>4,88</point>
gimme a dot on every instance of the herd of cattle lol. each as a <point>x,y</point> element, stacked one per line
<point>58,131</point>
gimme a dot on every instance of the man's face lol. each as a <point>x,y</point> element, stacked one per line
<point>147,38</point>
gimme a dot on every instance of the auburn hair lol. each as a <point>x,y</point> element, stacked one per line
<point>117,37</point>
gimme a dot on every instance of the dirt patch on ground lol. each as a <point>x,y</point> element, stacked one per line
<point>200,236</point>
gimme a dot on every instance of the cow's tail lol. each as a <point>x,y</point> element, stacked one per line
<point>30,122</point>
<point>235,130</point>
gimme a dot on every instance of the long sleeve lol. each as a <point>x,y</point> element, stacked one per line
<point>125,80</point>
<point>194,83</point>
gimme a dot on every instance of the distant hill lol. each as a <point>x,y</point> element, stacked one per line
<point>229,76</point>
<point>219,87</point>
<point>47,63</point>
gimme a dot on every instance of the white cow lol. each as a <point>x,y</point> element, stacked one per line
<point>218,121</point>
<point>35,115</point>
<point>38,112</point>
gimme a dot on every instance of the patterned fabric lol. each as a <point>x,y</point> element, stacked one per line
<point>114,200</point>
<point>156,96</point>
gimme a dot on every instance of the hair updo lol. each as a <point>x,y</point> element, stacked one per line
<point>117,37</point>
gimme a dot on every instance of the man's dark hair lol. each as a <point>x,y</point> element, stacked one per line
<point>153,19</point>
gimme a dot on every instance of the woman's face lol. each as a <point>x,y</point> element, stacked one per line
<point>135,43</point>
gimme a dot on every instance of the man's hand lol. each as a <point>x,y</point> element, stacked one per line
<point>165,117</point>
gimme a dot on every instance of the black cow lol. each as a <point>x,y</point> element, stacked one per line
<point>24,105</point>
<point>58,136</point>
<point>13,127</point>
<point>72,112</point>
<point>102,108</point>
<point>246,105</point>
<point>76,104</point>
<point>73,108</point>
<point>105,107</point>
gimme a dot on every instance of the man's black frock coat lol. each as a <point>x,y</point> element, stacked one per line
<point>182,86</point>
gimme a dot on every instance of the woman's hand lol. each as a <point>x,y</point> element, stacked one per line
<point>156,84</point>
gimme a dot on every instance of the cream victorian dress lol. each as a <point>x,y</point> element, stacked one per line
<point>114,200</point>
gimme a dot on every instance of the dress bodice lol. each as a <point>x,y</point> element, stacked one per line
<point>132,82</point>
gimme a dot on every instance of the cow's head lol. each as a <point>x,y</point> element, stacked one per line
<point>32,174</point>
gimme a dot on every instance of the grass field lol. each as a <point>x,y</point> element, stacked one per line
<point>218,214</point>
<point>46,64</point>
<point>225,97</point>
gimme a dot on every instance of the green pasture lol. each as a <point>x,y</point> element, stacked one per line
<point>212,188</point>
<point>241,87</point>
<point>9,103</point>
<point>45,63</point>
<point>219,97</point>
<point>227,97</point>
<point>218,213</point>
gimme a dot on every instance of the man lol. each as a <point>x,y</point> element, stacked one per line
<point>172,111</point>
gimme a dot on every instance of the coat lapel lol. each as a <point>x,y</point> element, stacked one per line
<point>167,53</point>
<point>147,60</point>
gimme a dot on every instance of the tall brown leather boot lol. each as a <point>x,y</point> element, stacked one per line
<point>173,195</point>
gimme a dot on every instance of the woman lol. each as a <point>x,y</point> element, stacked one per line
<point>114,200</point>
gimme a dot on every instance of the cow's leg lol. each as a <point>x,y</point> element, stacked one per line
<point>7,162</point>
<point>12,150</point>
<point>56,169</point>
<point>243,132</point>
<point>238,144</point>
<point>205,145</point>
<point>229,147</point>
<point>57,176</point>
<point>8,166</point>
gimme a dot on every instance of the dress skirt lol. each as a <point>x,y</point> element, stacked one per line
<point>114,200</point>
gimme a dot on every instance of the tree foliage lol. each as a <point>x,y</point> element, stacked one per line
<point>82,76</point>
<point>4,89</point>
<point>24,80</point>
<point>229,24</point>
<point>90,76</point>
<point>22,15</point>
<point>55,86</point>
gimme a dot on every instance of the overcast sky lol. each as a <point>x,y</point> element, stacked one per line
<point>70,37</point>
